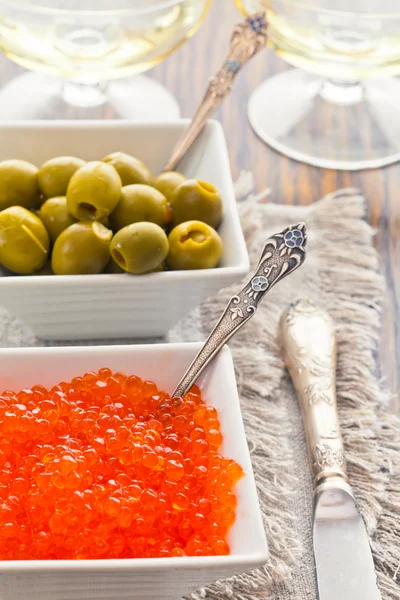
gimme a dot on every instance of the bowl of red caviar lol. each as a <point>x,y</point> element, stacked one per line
<point>110,487</point>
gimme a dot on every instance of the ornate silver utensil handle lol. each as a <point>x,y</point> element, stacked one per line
<point>310,354</point>
<point>282,254</point>
<point>248,38</point>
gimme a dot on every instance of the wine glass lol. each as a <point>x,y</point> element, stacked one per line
<point>341,108</point>
<point>83,52</point>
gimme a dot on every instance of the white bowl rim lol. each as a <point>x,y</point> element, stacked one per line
<point>96,123</point>
<point>126,278</point>
<point>137,564</point>
<point>132,564</point>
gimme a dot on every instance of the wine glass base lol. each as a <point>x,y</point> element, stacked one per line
<point>35,96</point>
<point>336,125</point>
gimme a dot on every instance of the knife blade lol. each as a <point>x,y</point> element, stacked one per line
<point>343,558</point>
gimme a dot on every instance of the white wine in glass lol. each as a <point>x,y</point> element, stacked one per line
<point>85,50</point>
<point>341,107</point>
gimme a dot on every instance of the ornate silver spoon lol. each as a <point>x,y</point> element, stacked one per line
<point>248,38</point>
<point>282,254</point>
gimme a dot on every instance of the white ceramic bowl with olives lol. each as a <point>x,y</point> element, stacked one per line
<point>96,242</point>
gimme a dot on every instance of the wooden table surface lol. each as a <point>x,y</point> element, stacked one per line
<point>185,73</point>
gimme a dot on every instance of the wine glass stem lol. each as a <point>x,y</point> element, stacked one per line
<point>342,92</point>
<point>84,94</point>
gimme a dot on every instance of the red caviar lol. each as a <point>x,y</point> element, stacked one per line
<point>108,466</point>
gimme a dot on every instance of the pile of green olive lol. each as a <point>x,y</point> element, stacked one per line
<point>71,217</point>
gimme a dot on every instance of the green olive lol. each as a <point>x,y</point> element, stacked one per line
<point>167,182</point>
<point>130,169</point>
<point>140,247</point>
<point>55,174</point>
<point>106,222</point>
<point>140,203</point>
<point>18,184</point>
<point>196,201</point>
<point>81,249</point>
<point>45,270</point>
<point>161,267</point>
<point>93,191</point>
<point>194,245</point>
<point>24,242</point>
<point>38,203</point>
<point>112,267</point>
<point>55,216</point>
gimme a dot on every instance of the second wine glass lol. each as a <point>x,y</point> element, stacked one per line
<point>341,107</point>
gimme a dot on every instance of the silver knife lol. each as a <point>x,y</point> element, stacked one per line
<point>343,559</point>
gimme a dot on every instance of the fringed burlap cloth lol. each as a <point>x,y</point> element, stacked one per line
<point>340,274</point>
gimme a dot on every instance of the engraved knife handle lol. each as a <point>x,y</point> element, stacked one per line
<point>281,255</point>
<point>310,354</point>
<point>248,38</point>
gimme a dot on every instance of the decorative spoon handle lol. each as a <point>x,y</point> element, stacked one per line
<point>248,38</point>
<point>282,254</point>
<point>310,354</point>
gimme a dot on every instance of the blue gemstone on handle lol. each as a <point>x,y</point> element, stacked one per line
<point>256,24</point>
<point>233,65</point>
<point>259,283</point>
<point>294,238</point>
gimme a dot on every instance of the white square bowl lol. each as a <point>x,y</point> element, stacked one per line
<point>150,579</point>
<point>79,307</point>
